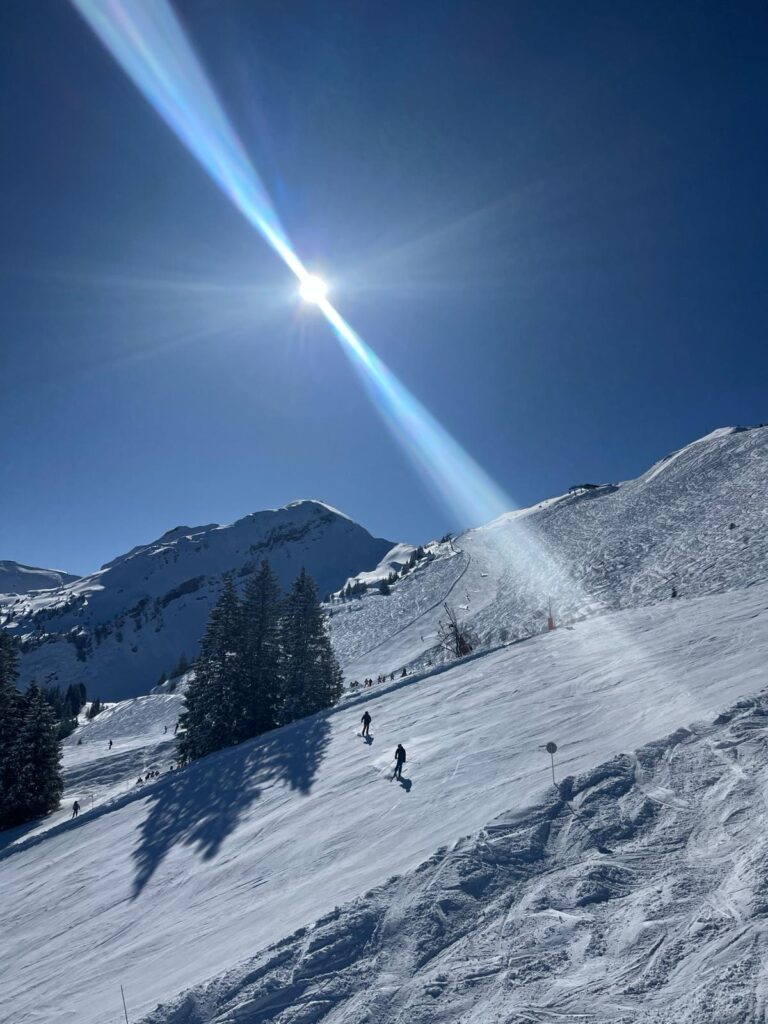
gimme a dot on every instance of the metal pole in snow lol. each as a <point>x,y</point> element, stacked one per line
<point>125,1010</point>
<point>551,749</point>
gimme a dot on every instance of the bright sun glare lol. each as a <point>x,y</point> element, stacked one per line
<point>313,289</point>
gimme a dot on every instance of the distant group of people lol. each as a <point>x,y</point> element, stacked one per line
<point>400,755</point>
<point>367,683</point>
<point>153,773</point>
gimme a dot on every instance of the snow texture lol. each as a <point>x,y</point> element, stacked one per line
<point>696,522</point>
<point>292,880</point>
<point>174,883</point>
<point>633,892</point>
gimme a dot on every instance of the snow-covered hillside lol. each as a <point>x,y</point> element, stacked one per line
<point>118,629</point>
<point>178,882</point>
<point>16,578</point>
<point>634,893</point>
<point>695,523</point>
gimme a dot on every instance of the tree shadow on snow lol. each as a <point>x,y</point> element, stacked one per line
<point>201,805</point>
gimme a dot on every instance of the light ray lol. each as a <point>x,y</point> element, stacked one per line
<point>149,43</point>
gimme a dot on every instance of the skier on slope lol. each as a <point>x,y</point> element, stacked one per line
<point>110,745</point>
<point>399,761</point>
<point>366,720</point>
<point>75,809</point>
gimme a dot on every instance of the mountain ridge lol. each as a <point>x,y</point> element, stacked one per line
<point>119,628</point>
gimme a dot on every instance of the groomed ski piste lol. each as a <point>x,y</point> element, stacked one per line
<point>291,879</point>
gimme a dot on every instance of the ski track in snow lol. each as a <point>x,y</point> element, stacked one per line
<point>620,546</point>
<point>527,921</point>
<point>174,884</point>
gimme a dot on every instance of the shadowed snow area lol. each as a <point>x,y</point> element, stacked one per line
<point>173,884</point>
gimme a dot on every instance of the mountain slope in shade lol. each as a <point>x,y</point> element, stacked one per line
<point>118,629</point>
<point>16,578</point>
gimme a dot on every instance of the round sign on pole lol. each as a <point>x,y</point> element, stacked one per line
<point>551,748</point>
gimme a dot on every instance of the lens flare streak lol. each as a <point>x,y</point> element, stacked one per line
<point>148,41</point>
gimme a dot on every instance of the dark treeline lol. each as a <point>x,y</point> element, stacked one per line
<point>66,705</point>
<point>264,661</point>
<point>30,769</point>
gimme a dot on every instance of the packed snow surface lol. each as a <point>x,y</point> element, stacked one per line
<point>179,881</point>
<point>634,893</point>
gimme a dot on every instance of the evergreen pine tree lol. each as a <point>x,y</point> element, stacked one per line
<point>259,678</point>
<point>10,722</point>
<point>210,719</point>
<point>40,784</point>
<point>311,675</point>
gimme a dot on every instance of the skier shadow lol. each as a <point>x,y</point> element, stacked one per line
<point>368,739</point>
<point>406,784</point>
<point>202,804</point>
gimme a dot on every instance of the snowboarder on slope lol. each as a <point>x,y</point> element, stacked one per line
<point>75,809</point>
<point>399,761</point>
<point>366,720</point>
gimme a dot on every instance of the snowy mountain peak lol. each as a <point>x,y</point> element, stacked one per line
<point>16,578</point>
<point>119,629</point>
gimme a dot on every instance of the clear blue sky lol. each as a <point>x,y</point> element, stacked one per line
<point>548,218</point>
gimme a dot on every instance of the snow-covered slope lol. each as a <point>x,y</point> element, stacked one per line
<point>696,522</point>
<point>209,866</point>
<point>118,629</point>
<point>16,578</point>
<point>635,893</point>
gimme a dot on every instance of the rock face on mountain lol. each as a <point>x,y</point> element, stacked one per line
<point>117,630</point>
<point>16,578</point>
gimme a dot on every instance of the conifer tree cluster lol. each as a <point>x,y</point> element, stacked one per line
<point>265,660</point>
<point>30,770</point>
<point>66,705</point>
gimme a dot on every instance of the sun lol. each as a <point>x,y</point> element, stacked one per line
<point>313,290</point>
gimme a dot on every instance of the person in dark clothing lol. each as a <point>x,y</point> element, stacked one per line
<point>110,745</point>
<point>366,720</point>
<point>75,809</point>
<point>399,761</point>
